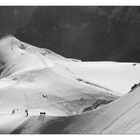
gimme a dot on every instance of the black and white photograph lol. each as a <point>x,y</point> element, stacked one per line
<point>69,69</point>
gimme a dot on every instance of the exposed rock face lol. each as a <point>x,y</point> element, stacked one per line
<point>87,33</point>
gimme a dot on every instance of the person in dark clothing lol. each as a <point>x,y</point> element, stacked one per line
<point>42,116</point>
<point>44,96</point>
<point>26,111</point>
<point>13,111</point>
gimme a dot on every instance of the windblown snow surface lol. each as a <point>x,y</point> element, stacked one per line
<point>77,97</point>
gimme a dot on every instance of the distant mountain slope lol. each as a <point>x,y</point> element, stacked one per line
<point>87,33</point>
<point>16,16</point>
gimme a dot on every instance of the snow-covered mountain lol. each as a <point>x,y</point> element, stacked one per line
<point>39,80</point>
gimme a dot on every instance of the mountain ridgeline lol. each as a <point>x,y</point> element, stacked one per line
<point>86,33</point>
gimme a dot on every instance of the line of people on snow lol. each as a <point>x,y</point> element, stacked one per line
<point>14,111</point>
<point>41,116</point>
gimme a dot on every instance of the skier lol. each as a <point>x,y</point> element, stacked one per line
<point>26,111</point>
<point>44,96</point>
<point>13,111</point>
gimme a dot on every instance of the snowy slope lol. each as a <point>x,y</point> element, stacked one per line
<point>116,76</point>
<point>119,117</point>
<point>41,81</point>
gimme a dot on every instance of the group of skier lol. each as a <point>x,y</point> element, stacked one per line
<point>14,111</point>
<point>27,113</point>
